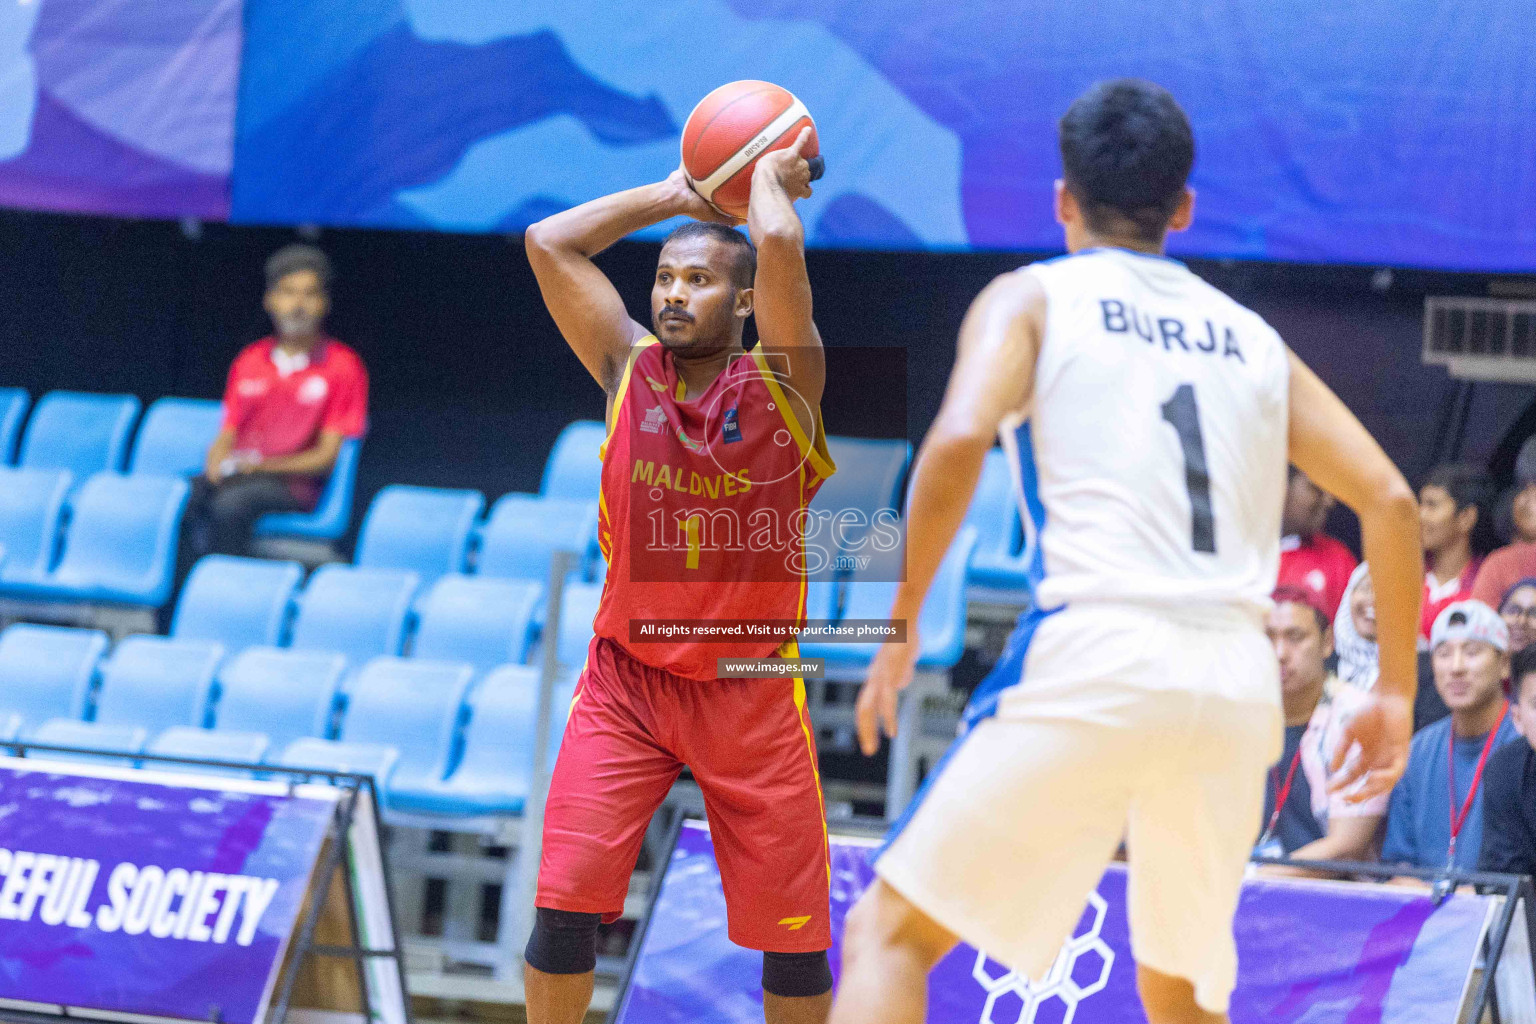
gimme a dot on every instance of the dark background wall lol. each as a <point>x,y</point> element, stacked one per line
<point>471,382</point>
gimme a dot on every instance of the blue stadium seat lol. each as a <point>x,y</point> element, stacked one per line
<point>868,475</point>
<point>574,468</point>
<point>208,745</point>
<point>996,563</point>
<point>14,403</point>
<point>423,529</point>
<point>524,530</point>
<point>32,505</point>
<point>373,759</point>
<point>486,622</point>
<point>576,614</point>
<point>70,732</point>
<point>285,694</point>
<point>47,671</point>
<point>416,707</point>
<point>157,682</point>
<point>79,432</point>
<point>361,613</point>
<point>492,775</point>
<point>240,602</point>
<point>332,514</point>
<point>940,626</point>
<point>120,547</point>
<point>175,435</point>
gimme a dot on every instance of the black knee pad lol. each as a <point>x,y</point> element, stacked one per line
<point>794,975</point>
<point>563,942</point>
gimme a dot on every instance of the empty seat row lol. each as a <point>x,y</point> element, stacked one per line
<point>365,612</point>
<point>436,744</point>
<point>434,532</point>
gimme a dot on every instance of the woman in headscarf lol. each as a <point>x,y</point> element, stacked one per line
<point>1354,631</point>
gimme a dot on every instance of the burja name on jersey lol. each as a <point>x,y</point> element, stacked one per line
<point>1123,318</point>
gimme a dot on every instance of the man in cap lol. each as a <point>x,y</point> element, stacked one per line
<point>1435,818</point>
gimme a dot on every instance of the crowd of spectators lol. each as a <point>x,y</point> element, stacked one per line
<point>1468,797</point>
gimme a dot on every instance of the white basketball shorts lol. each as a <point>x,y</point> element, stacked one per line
<point>1129,723</point>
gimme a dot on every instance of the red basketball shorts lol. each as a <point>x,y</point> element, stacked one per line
<point>632,729</point>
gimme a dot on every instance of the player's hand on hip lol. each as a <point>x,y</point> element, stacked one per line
<point>889,674</point>
<point>689,203</point>
<point>1373,748</point>
<point>789,167</point>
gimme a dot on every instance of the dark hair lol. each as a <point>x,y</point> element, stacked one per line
<point>1521,665</point>
<point>1288,593</point>
<point>1469,486</point>
<point>743,253</point>
<point>291,259</point>
<point>1126,150</point>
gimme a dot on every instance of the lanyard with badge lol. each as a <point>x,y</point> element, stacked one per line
<point>1459,818</point>
<point>1267,844</point>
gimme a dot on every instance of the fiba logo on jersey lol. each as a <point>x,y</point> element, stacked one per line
<point>1081,970</point>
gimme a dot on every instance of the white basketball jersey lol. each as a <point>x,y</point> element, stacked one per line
<point>1151,467</point>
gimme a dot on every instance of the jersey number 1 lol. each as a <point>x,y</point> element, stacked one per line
<point>1183,412</point>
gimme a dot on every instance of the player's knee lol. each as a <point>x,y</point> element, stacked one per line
<point>563,942</point>
<point>796,975</point>
<point>885,918</point>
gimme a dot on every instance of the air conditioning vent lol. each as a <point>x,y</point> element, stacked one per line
<point>1482,339</point>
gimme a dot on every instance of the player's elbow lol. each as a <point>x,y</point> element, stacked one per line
<point>539,240</point>
<point>1394,501</point>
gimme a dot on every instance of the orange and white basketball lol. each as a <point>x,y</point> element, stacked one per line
<point>730,130</point>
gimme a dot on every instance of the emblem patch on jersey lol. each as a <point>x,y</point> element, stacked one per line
<point>655,416</point>
<point>313,390</point>
<point>689,443</point>
<point>730,427</point>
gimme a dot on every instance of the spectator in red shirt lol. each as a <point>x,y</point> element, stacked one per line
<point>1508,565</point>
<point>290,401</point>
<point>1456,529</point>
<point>1309,558</point>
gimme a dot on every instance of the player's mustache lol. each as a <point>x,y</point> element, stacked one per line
<point>681,314</point>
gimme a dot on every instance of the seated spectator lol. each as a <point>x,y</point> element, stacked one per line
<point>1435,817</point>
<point>1509,797</point>
<point>292,398</point>
<point>1309,557</point>
<point>1505,567</point>
<point>1303,820</point>
<point>1518,610</point>
<point>1354,631</point>
<point>1456,529</point>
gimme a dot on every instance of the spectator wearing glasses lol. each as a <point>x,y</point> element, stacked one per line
<point>1309,558</point>
<point>1518,610</point>
<point>1301,818</point>
<point>1435,817</point>
<point>1509,800</point>
<point>1456,529</point>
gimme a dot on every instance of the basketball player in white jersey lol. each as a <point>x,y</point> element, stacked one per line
<point>1149,419</point>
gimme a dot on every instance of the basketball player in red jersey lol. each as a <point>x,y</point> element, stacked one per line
<point>711,458</point>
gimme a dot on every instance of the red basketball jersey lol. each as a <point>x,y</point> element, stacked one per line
<point>702,507</point>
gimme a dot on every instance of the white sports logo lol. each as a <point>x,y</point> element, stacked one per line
<point>1062,982</point>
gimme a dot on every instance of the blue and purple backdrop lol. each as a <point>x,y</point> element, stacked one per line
<point>86,915</point>
<point>1309,953</point>
<point>1393,134</point>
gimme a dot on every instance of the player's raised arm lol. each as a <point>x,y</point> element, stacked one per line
<point>585,305</point>
<point>782,290</point>
<point>1329,444</point>
<point>993,378</point>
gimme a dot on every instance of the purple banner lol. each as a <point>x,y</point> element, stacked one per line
<point>135,896</point>
<point>1312,952</point>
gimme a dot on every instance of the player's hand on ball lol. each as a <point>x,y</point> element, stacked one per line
<point>691,204</point>
<point>889,674</point>
<point>788,167</point>
<point>1377,737</point>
